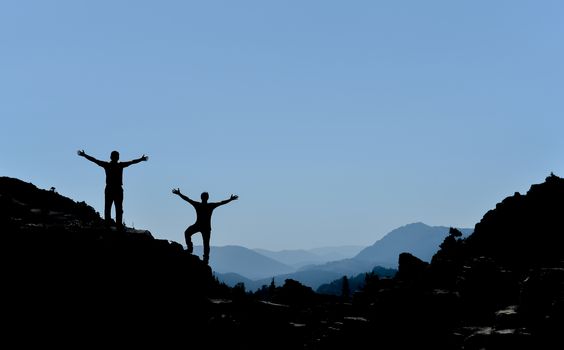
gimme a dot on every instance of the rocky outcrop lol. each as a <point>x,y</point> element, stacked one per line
<point>502,287</point>
<point>67,276</point>
<point>410,268</point>
<point>524,230</point>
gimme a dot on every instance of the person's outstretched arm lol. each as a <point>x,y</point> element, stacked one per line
<point>232,198</point>
<point>143,158</point>
<point>90,158</point>
<point>177,191</point>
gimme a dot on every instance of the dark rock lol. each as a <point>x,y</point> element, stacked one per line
<point>410,268</point>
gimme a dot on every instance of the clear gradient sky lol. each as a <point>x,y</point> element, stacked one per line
<point>334,121</point>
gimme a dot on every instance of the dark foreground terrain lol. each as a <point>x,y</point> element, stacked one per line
<point>68,280</point>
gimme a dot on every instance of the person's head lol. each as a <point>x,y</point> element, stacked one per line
<point>114,156</point>
<point>205,196</point>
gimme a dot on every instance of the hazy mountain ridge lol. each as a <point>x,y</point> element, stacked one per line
<point>356,283</point>
<point>292,257</point>
<point>299,258</point>
<point>232,279</point>
<point>310,278</point>
<point>418,239</point>
<point>243,261</point>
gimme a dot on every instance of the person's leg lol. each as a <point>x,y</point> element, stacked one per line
<point>206,238</point>
<point>108,206</point>
<point>188,237</point>
<point>118,202</point>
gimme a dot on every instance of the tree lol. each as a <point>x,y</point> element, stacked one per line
<point>238,290</point>
<point>371,282</point>
<point>345,289</point>
<point>271,288</point>
<point>451,240</point>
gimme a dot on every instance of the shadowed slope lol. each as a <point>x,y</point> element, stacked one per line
<point>524,230</point>
<point>66,276</point>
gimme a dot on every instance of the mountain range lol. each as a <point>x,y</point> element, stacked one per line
<point>243,261</point>
<point>418,239</point>
<point>255,268</point>
<point>299,258</point>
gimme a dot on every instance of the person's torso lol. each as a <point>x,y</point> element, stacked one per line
<point>204,214</point>
<point>114,174</point>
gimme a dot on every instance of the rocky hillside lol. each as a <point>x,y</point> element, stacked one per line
<point>68,280</point>
<point>502,287</point>
<point>67,277</point>
<point>524,230</point>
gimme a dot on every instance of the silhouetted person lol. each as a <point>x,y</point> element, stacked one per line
<point>114,182</point>
<point>203,220</point>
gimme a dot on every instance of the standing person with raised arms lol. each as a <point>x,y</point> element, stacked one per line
<point>204,212</point>
<point>114,182</point>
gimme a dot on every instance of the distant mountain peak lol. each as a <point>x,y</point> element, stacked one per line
<point>418,238</point>
<point>418,223</point>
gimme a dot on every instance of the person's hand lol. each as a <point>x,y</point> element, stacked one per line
<point>144,158</point>
<point>234,197</point>
<point>176,190</point>
<point>81,153</point>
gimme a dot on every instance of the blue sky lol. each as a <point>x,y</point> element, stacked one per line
<point>335,122</point>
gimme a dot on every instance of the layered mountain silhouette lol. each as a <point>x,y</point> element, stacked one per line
<point>310,278</point>
<point>355,283</point>
<point>299,258</point>
<point>245,262</point>
<point>418,239</point>
<point>68,280</point>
